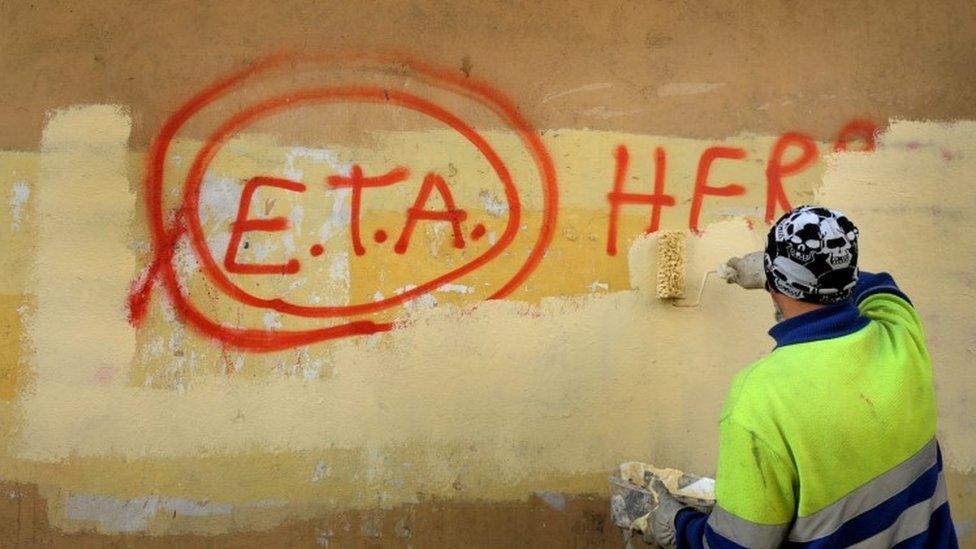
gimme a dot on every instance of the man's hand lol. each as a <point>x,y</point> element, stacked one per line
<point>747,271</point>
<point>661,521</point>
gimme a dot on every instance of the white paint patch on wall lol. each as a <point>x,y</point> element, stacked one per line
<point>687,88</point>
<point>295,217</point>
<point>262,250</point>
<point>340,215</point>
<point>339,270</point>
<point>493,205</point>
<point>19,193</point>
<point>555,500</point>
<point>185,259</point>
<point>603,112</point>
<point>219,199</point>
<point>421,302</point>
<point>427,301</point>
<point>585,88</point>
<point>113,515</point>
<point>325,156</point>
<point>288,241</point>
<point>456,289</point>
<point>271,320</point>
<point>321,471</point>
<point>596,286</point>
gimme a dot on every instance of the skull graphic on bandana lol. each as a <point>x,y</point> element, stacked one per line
<point>811,255</point>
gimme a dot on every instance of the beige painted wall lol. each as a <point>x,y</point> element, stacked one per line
<point>160,430</point>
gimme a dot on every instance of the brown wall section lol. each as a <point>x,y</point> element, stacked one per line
<point>553,520</point>
<point>779,65</point>
<point>562,521</point>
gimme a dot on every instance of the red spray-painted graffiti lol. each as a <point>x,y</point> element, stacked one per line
<point>222,281</point>
<point>186,218</point>
<point>243,224</point>
<point>618,197</point>
<point>791,153</point>
<point>356,181</point>
<point>777,168</point>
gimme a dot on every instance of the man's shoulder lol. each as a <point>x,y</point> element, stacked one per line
<point>774,380</point>
<point>752,383</point>
<point>771,368</point>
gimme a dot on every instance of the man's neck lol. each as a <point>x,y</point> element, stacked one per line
<point>792,308</point>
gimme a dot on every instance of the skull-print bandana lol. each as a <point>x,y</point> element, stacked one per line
<point>811,255</point>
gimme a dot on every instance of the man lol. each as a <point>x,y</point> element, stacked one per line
<point>829,441</point>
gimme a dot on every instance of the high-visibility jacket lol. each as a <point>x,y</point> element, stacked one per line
<point>829,441</point>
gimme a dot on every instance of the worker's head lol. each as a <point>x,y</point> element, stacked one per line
<point>811,257</point>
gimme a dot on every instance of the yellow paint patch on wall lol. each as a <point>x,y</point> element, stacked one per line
<point>82,263</point>
<point>12,374</point>
<point>18,176</point>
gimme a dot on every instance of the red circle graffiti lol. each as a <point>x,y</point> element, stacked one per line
<point>166,234</point>
<point>301,98</point>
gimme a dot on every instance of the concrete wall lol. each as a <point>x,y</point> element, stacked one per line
<point>174,372</point>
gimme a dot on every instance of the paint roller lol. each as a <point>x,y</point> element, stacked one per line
<point>671,269</point>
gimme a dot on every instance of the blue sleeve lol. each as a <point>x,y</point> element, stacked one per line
<point>869,284</point>
<point>689,528</point>
<point>692,530</point>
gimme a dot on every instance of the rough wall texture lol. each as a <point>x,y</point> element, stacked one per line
<point>295,273</point>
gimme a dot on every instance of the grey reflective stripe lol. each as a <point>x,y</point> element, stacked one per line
<point>911,522</point>
<point>828,520</point>
<point>747,533</point>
